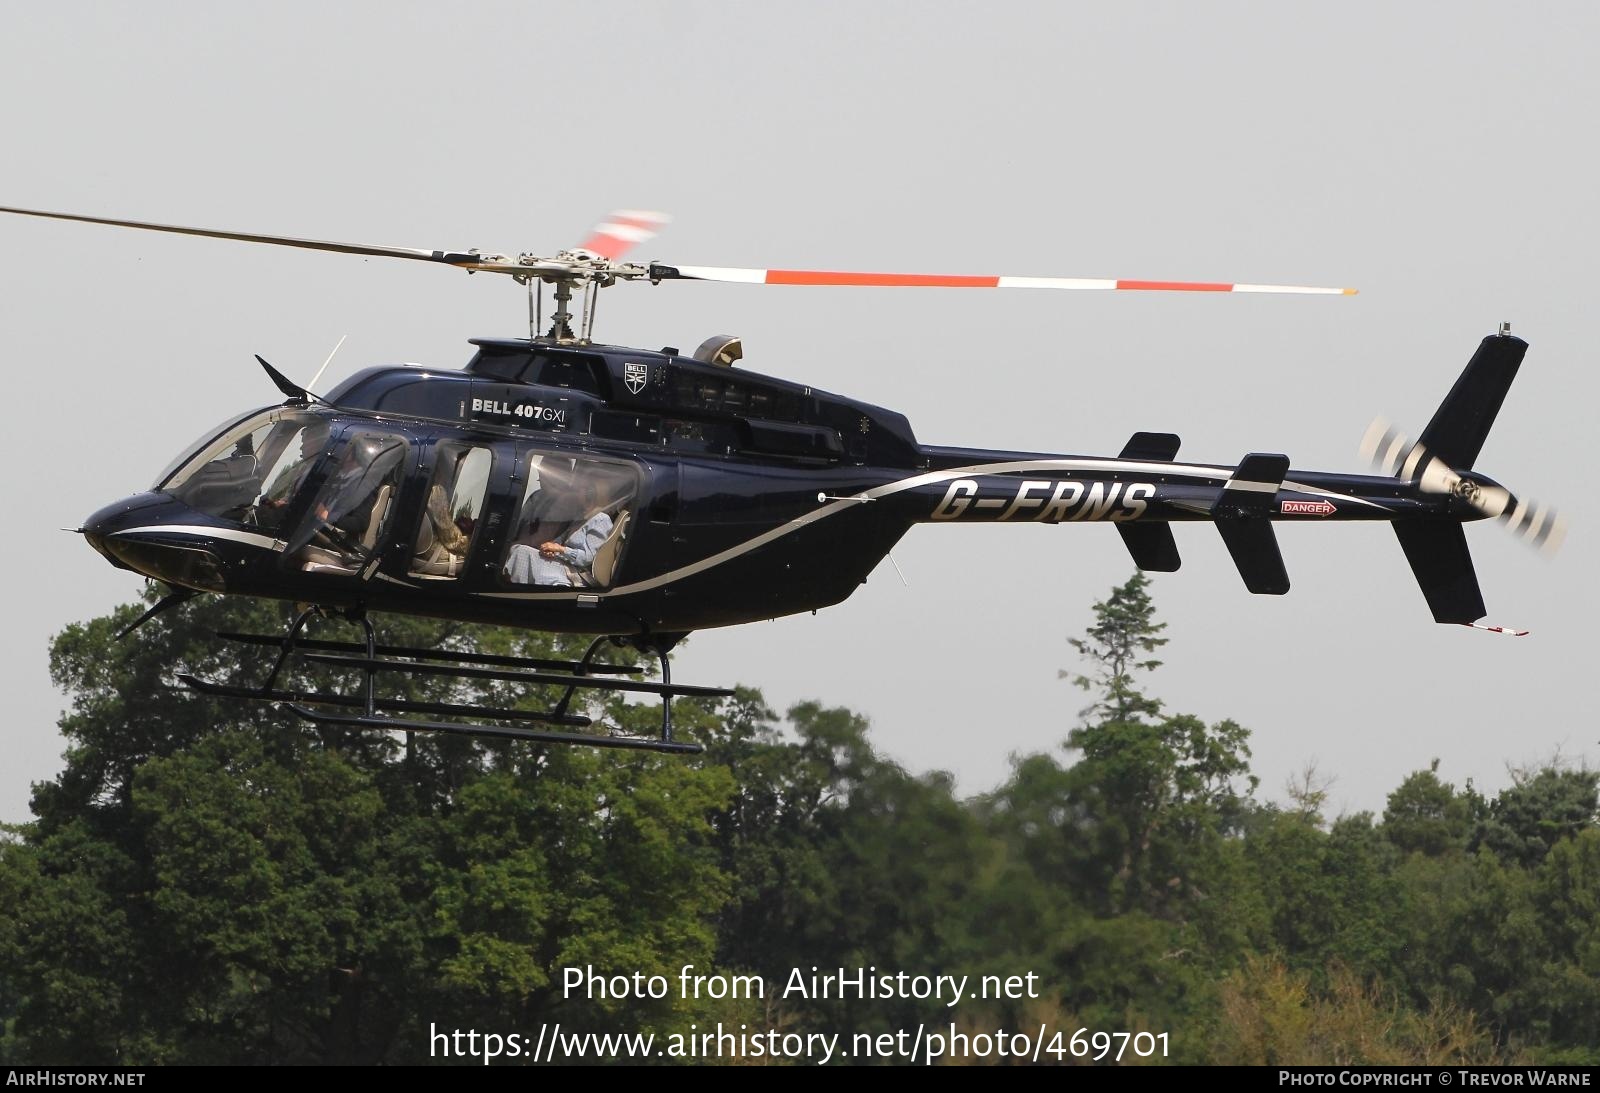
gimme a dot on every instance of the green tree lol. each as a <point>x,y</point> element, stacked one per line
<point>1153,796</point>
<point>209,882</point>
<point>1507,931</point>
<point>1274,1016</point>
<point>212,882</point>
<point>1538,810</point>
<point>841,858</point>
<point>1328,894</point>
<point>1566,898</point>
<point>1427,816</point>
<point>1124,631</point>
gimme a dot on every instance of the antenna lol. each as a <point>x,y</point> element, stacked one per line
<point>312,385</point>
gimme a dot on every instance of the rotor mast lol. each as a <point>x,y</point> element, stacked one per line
<point>587,274</point>
<point>561,321</point>
<point>594,265</point>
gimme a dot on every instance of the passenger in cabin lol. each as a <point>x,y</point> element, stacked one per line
<point>446,532</point>
<point>569,562</point>
<point>554,504</point>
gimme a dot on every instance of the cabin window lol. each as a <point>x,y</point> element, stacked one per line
<point>348,523</point>
<point>451,513</point>
<point>573,522</point>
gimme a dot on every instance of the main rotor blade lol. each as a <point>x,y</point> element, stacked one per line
<point>927,280</point>
<point>623,230</point>
<point>484,263</point>
<point>448,257</point>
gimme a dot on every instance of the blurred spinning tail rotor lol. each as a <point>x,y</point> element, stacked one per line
<point>1437,471</point>
<point>1539,525</point>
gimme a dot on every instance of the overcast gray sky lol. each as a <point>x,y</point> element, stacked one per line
<point>1439,157</point>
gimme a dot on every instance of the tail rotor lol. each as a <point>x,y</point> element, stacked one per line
<point>1536,524</point>
<point>1440,465</point>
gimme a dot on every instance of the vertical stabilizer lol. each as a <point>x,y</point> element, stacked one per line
<point>1458,428</point>
<point>1443,567</point>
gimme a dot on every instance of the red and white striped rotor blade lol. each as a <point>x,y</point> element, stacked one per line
<point>933,280</point>
<point>623,230</point>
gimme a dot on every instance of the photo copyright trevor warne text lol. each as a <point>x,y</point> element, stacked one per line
<point>926,1043</point>
<point>1435,1077</point>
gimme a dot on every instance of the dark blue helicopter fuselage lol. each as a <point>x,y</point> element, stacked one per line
<point>729,497</point>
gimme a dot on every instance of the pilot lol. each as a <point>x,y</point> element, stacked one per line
<point>347,503</point>
<point>343,513</point>
<point>313,439</point>
<point>569,562</point>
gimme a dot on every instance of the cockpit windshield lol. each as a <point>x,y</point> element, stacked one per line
<point>202,444</point>
<point>252,469</point>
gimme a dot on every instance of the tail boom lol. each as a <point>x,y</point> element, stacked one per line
<point>1428,495</point>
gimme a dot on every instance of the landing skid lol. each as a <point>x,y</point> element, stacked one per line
<point>369,710</point>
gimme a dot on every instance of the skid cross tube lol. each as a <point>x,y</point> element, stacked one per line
<point>453,655</point>
<point>593,740</point>
<point>401,705</point>
<point>511,675</point>
<point>367,710</point>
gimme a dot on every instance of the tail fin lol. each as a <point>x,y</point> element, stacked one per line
<point>1450,444</point>
<point>1463,419</point>
<point>1443,567</point>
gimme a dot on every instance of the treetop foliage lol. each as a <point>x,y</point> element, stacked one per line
<point>1124,631</point>
<point>210,882</point>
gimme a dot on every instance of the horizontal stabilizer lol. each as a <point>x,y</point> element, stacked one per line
<point>1462,421</point>
<point>1152,546</point>
<point>1255,552</point>
<point>1254,484</point>
<point>1155,447</point>
<point>1443,567</point>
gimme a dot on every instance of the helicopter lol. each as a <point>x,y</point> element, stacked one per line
<point>567,485</point>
